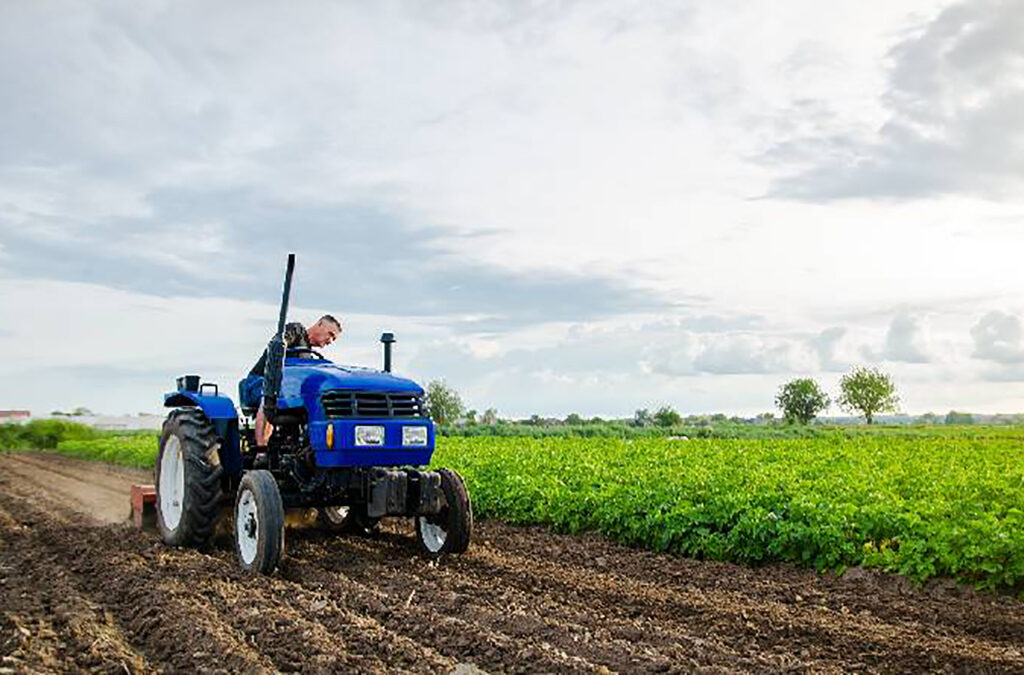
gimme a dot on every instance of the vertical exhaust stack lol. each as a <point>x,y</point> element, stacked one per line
<point>387,339</point>
<point>275,350</point>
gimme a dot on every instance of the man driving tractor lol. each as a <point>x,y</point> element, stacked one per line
<point>326,330</point>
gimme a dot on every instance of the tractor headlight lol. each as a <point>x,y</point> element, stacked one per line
<point>367,435</point>
<point>414,435</point>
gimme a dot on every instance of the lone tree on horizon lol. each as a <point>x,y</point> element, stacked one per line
<point>801,400</point>
<point>443,402</point>
<point>868,391</point>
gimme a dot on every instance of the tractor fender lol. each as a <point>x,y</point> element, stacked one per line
<point>221,412</point>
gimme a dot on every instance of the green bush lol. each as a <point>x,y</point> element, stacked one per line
<point>42,434</point>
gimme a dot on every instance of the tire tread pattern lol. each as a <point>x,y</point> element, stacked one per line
<point>270,517</point>
<point>459,517</point>
<point>202,478</point>
<point>460,512</point>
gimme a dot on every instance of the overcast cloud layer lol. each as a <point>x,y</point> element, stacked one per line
<point>559,207</point>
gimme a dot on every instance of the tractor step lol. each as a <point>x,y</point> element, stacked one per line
<point>144,506</point>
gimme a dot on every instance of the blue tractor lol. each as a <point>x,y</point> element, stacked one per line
<point>350,443</point>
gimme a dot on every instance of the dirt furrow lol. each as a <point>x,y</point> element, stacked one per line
<point>48,622</point>
<point>265,616</point>
<point>943,608</point>
<point>503,606</point>
<point>102,500</point>
<point>432,619</point>
<point>318,631</point>
<point>658,619</point>
<point>763,620</point>
<point>168,627</point>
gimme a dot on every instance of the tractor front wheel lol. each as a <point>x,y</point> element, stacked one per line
<point>259,522</point>
<point>450,529</point>
<point>188,473</point>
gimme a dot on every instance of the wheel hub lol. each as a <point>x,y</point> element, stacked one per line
<point>247,526</point>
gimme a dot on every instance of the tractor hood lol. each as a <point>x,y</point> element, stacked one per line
<point>303,381</point>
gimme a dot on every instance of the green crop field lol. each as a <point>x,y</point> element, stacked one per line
<point>917,506</point>
<point>138,450</point>
<point>921,502</point>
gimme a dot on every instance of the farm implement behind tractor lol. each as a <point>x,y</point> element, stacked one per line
<point>350,443</point>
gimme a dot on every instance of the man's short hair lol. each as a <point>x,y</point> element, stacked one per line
<point>328,317</point>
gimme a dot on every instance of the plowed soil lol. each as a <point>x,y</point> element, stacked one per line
<point>80,590</point>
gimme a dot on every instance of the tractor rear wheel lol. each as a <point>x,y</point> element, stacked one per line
<point>188,473</point>
<point>449,530</point>
<point>259,522</point>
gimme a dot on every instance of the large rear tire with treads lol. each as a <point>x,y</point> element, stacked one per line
<point>188,479</point>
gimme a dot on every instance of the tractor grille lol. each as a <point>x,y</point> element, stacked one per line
<point>345,403</point>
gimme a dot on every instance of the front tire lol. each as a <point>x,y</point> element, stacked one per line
<point>449,530</point>
<point>259,523</point>
<point>188,473</point>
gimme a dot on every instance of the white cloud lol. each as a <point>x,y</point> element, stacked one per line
<point>826,344</point>
<point>906,340</point>
<point>998,337</point>
<point>954,99</point>
<point>741,354</point>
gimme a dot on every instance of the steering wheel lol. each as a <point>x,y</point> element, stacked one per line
<point>304,353</point>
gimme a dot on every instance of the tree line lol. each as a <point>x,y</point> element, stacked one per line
<point>865,392</point>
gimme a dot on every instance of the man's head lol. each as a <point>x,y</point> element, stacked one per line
<point>325,331</point>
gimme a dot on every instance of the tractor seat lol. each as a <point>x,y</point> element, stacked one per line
<point>249,391</point>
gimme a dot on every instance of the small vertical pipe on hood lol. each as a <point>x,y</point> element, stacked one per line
<point>387,339</point>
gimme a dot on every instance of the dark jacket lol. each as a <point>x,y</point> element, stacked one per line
<point>295,337</point>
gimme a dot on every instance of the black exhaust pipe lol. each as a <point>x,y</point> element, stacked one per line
<point>276,349</point>
<point>387,339</point>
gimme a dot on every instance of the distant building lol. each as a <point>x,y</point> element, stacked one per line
<point>14,415</point>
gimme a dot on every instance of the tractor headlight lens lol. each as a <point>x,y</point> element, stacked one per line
<point>366,435</point>
<point>414,435</point>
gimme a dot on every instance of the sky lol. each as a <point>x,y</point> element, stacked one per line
<point>557,207</point>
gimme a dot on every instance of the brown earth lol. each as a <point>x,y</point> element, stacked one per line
<point>80,594</point>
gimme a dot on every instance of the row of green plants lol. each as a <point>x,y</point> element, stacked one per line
<point>728,429</point>
<point>127,448</point>
<point>138,450</point>
<point>916,506</point>
<point>503,428</point>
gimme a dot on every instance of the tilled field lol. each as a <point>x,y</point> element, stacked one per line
<point>77,594</point>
